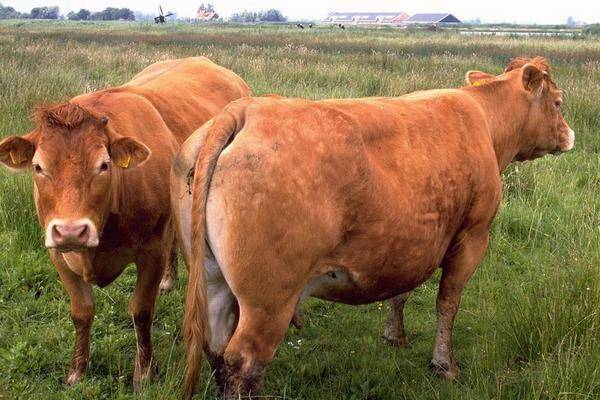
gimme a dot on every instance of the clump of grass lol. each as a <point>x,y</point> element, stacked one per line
<point>553,314</point>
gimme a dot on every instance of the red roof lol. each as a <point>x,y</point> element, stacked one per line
<point>207,15</point>
<point>401,17</point>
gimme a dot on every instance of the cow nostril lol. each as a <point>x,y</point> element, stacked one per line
<point>83,231</point>
<point>56,232</point>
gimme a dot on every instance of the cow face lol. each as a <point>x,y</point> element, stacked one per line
<point>75,158</point>
<point>545,130</point>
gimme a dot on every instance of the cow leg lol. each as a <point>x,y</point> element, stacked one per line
<point>150,266</point>
<point>82,314</point>
<point>457,267</point>
<point>222,318</point>
<point>170,275</point>
<point>394,333</point>
<point>260,330</point>
<point>298,318</point>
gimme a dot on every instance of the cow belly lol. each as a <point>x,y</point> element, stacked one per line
<point>363,271</point>
<point>341,286</point>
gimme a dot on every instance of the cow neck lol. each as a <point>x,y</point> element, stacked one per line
<point>505,112</point>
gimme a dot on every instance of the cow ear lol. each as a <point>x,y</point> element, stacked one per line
<point>127,153</point>
<point>533,77</point>
<point>16,152</point>
<point>478,78</point>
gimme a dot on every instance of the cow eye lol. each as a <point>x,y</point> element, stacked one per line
<point>37,169</point>
<point>558,104</point>
<point>104,166</point>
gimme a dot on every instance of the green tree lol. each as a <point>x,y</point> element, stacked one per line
<point>208,7</point>
<point>591,30</point>
<point>81,15</point>
<point>45,12</point>
<point>246,16</point>
<point>113,14</point>
<point>272,15</point>
<point>7,12</point>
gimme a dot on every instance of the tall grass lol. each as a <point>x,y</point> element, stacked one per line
<point>528,325</point>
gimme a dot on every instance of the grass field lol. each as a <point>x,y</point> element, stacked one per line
<point>529,323</point>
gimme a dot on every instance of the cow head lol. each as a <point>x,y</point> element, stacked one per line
<point>545,130</point>
<point>75,157</point>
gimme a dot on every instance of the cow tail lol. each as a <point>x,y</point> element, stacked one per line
<point>196,331</point>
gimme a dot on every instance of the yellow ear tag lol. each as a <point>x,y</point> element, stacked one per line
<point>15,158</point>
<point>478,83</point>
<point>124,163</point>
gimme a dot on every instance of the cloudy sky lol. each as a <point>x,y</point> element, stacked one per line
<point>525,11</point>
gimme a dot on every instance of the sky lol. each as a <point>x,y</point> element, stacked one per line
<point>516,11</point>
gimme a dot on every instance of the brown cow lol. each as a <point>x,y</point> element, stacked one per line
<point>101,166</point>
<point>352,201</point>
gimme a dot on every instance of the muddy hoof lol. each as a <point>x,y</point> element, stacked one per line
<point>446,370</point>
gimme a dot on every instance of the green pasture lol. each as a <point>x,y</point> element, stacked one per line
<point>529,322</point>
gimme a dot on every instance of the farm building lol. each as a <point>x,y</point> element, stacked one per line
<point>366,18</point>
<point>205,15</point>
<point>432,19</point>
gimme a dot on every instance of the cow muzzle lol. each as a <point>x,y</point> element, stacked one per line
<point>570,141</point>
<point>71,234</point>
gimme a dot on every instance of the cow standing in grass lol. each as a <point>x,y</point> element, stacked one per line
<point>395,333</point>
<point>353,201</point>
<point>101,173</point>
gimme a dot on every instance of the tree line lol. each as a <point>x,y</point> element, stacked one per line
<point>258,16</point>
<point>112,14</point>
<point>7,12</point>
<point>53,12</point>
<point>108,14</point>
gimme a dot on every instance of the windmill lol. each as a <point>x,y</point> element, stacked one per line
<point>162,18</point>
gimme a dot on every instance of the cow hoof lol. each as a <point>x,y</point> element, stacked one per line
<point>446,370</point>
<point>142,379</point>
<point>397,341</point>
<point>166,284</point>
<point>74,377</point>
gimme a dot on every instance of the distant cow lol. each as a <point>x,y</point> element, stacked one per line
<point>300,26</point>
<point>352,201</point>
<point>101,170</point>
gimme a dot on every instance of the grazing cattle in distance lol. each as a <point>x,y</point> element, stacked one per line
<point>353,201</point>
<point>101,170</point>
